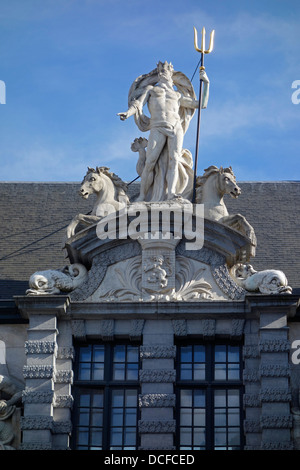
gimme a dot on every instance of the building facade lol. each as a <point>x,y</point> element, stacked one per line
<point>143,344</point>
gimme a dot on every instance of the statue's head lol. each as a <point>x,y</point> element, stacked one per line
<point>165,69</point>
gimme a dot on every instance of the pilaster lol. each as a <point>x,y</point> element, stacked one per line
<point>268,420</point>
<point>40,372</point>
<point>157,400</point>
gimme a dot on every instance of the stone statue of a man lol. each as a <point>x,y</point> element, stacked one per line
<point>171,110</point>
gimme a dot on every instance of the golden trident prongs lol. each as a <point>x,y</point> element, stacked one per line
<point>211,41</point>
<point>202,68</point>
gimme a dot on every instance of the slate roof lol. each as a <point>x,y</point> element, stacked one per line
<point>34,217</point>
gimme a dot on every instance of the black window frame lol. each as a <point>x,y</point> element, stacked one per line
<point>208,385</point>
<point>108,385</point>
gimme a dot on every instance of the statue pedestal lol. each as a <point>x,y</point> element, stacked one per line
<point>158,265</point>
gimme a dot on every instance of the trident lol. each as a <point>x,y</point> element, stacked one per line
<point>202,51</point>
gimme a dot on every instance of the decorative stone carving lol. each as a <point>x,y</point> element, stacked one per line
<point>127,277</point>
<point>274,345</point>
<point>34,396</point>
<point>275,394</point>
<point>274,370</point>
<point>37,422</point>
<point>157,375</point>
<point>111,196</point>
<point>38,372</point>
<point>157,426</point>
<point>269,281</point>
<point>179,327</point>
<point>78,329</point>
<point>278,421</point>
<point>250,351</point>
<point>156,272</point>
<point>40,347</point>
<point>160,400</point>
<point>64,376</point>
<point>136,329</point>
<point>210,191</point>
<point>226,283</point>
<point>8,432</point>
<point>56,281</point>
<point>158,351</point>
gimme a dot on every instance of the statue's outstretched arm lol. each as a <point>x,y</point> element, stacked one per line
<point>134,106</point>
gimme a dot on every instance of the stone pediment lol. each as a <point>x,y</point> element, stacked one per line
<point>158,268</point>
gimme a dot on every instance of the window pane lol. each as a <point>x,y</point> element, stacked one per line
<point>132,354</point>
<point>199,417</point>
<point>98,372</point>
<point>116,436</point>
<point>132,372</point>
<point>220,417</point>
<point>186,354</point>
<point>83,436</point>
<point>199,371</point>
<point>220,398</point>
<point>98,353</point>
<point>234,417</point>
<point>119,353</point>
<point>220,353</point>
<point>97,418</point>
<point>84,417</point>
<point>85,354</point>
<point>84,371</point>
<point>220,372</point>
<point>186,397</point>
<point>117,398</point>
<point>130,398</point>
<point>234,436</point>
<point>186,372</point>
<point>130,417</point>
<point>130,437</point>
<point>117,417</point>
<point>199,398</point>
<point>233,371</point>
<point>233,397</point>
<point>185,437</point>
<point>199,437</point>
<point>119,372</point>
<point>220,437</point>
<point>97,399</point>
<point>186,417</point>
<point>85,400</point>
<point>96,438</point>
<point>199,353</point>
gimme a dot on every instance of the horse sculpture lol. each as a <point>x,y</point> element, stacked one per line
<point>111,196</point>
<point>210,190</point>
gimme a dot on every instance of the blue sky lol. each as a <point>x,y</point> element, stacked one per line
<point>68,65</point>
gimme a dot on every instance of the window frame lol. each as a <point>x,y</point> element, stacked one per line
<point>209,385</point>
<point>108,384</point>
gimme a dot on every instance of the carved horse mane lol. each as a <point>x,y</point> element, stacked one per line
<point>211,195</point>
<point>208,172</point>
<point>120,185</point>
<point>111,196</point>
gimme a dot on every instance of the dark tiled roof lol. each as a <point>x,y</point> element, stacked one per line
<point>34,217</point>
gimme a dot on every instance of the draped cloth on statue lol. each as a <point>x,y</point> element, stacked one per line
<point>136,95</point>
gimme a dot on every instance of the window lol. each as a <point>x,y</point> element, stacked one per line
<point>209,397</point>
<point>106,397</point>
